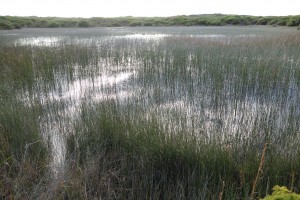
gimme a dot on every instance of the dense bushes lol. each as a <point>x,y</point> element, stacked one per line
<point>83,24</point>
<point>10,22</point>
<point>5,25</point>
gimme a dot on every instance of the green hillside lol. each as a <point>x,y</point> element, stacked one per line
<point>13,22</point>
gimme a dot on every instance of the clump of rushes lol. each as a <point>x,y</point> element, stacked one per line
<point>23,154</point>
<point>136,159</point>
<point>126,157</point>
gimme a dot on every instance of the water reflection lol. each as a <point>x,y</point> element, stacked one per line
<point>39,41</point>
<point>56,40</point>
<point>144,36</point>
<point>62,107</point>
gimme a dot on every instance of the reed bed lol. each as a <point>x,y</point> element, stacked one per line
<point>165,115</point>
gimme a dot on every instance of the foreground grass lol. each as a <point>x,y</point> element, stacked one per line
<point>23,154</point>
<point>133,160</point>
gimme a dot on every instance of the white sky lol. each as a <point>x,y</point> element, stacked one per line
<point>115,8</point>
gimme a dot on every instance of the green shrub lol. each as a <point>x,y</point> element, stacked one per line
<point>282,193</point>
<point>83,24</point>
<point>5,25</point>
<point>148,24</point>
<point>68,23</point>
<point>135,24</point>
<point>17,26</point>
<point>281,22</point>
<point>54,25</point>
<point>262,21</point>
<point>215,22</point>
<point>293,21</point>
<point>116,24</point>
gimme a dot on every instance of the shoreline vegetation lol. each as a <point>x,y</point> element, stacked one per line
<point>15,22</point>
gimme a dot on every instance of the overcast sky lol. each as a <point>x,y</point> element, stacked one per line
<point>115,8</point>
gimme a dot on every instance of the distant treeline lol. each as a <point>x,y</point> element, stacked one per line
<point>12,22</point>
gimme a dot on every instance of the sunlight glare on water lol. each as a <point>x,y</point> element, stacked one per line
<point>39,41</point>
<point>144,36</point>
<point>55,126</point>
